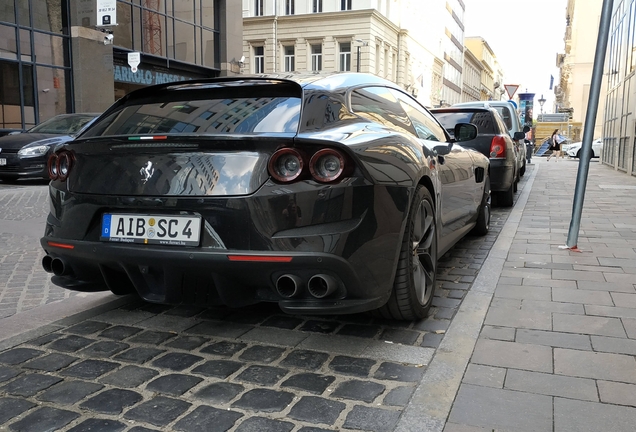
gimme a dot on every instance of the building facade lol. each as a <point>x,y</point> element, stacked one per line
<point>471,77</point>
<point>577,62</point>
<point>400,40</point>
<point>482,51</point>
<point>56,58</point>
<point>619,137</point>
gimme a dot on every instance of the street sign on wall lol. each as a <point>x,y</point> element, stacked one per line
<point>106,13</point>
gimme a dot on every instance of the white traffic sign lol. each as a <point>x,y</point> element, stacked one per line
<point>511,89</point>
<point>134,58</point>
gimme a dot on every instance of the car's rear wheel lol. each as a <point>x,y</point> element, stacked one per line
<point>506,198</point>
<point>523,169</point>
<point>414,283</point>
<point>483,220</point>
<point>578,154</point>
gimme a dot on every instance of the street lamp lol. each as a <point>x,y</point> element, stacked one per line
<point>363,43</point>
<point>541,102</point>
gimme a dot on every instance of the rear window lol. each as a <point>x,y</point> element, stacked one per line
<point>227,115</point>
<point>482,119</point>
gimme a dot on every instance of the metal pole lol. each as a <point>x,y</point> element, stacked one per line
<point>590,121</point>
<point>358,60</point>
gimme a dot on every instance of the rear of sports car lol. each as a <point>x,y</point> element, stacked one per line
<point>205,193</point>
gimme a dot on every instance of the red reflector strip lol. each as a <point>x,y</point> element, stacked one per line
<point>61,245</point>
<point>259,258</point>
<point>153,137</point>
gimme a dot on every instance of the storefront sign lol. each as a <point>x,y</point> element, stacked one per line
<point>145,76</point>
<point>106,13</point>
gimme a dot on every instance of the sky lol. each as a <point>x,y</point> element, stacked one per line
<point>526,36</point>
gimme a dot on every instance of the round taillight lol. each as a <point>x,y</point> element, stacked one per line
<point>327,165</point>
<point>52,167</point>
<point>286,165</point>
<point>64,163</point>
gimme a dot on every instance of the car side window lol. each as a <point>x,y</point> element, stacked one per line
<point>380,105</point>
<point>500,123</point>
<point>425,124</point>
<point>506,116</point>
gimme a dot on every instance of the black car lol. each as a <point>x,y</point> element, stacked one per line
<point>24,155</point>
<point>493,141</point>
<point>326,193</point>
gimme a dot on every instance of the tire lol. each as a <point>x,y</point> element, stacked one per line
<point>414,284</point>
<point>483,220</point>
<point>523,169</point>
<point>578,154</point>
<point>506,198</point>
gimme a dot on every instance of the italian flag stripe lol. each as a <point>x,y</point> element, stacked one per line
<point>153,137</point>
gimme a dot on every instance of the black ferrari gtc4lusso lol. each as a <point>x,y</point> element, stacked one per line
<point>326,193</point>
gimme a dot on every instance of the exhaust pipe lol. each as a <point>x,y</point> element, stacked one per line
<point>59,267</point>
<point>321,285</point>
<point>46,263</point>
<point>288,285</point>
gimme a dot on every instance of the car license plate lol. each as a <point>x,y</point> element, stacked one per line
<point>3,161</point>
<point>151,229</point>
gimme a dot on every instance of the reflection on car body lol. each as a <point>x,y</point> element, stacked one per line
<point>325,193</point>
<point>25,154</point>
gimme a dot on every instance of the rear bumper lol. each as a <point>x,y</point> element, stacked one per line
<point>501,174</point>
<point>191,276</point>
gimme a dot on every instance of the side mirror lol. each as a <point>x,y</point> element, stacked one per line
<point>519,136</point>
<point>465,132</point>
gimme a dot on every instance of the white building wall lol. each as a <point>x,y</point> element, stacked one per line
<point>403,40</point>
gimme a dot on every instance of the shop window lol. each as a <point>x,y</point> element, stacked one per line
<point>8,43</point>
<point>7,12</point>
<point>47,15</point>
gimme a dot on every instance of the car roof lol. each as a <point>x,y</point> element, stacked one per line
<point>484,103</point>
<point>462,109</point>
<point>327,81</point>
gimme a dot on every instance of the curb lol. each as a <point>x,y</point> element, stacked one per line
<point>433,398</point>
<point>51,317</point>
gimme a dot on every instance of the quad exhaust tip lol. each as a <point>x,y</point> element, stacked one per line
<point>288,285</point>
<point>57,266</point>
<point>322,285</point>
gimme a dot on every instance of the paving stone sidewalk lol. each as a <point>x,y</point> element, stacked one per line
<point>558,345</point>
<point>23,283</point>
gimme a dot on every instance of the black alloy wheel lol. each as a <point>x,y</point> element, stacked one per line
<point>414,283</point>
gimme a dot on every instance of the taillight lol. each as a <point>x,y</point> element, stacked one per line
<point>286,165</point>
<point>59,165</point>
<point>498,148</point>
<point>327,165</point>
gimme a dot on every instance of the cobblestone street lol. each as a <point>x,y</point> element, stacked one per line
<point>141,366</point>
